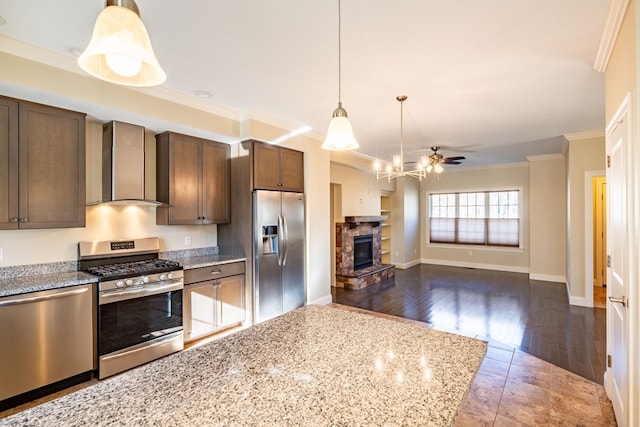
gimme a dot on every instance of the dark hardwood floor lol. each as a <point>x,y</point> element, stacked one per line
<point>501,307</point>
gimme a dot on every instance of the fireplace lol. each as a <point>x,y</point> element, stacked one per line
<point>359,254</point>
<point>362,251</point>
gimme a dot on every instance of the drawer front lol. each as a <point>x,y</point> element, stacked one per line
<point>213,272</point>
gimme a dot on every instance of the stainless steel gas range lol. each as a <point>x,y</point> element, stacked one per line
<point>139,308</point>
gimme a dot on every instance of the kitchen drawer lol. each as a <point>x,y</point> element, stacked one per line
<point>213,272</point>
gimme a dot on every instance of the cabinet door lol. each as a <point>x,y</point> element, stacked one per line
<point>51,167</point>
<point>199,303</point>
<point>231,301</point>
<point>215,183</point>
<point>266,167</point>
<point>184,180</point>
<point>291,170</point>
<point>8,164</point>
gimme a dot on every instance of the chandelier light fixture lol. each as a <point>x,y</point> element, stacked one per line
<point>396,170</point>
<point>340,134</point>
<point>120,50</point>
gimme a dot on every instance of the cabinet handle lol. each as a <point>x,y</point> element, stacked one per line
<point>25,219</point>
<point>14,219</point>
<point>213,272</point>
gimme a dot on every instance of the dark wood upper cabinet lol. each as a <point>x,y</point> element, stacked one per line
<point>8,163</point>
<point>277,168</point>
<point>42,167</point>
<point>193,177</point>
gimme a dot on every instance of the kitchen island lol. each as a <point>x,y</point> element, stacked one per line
<point>316,365</point>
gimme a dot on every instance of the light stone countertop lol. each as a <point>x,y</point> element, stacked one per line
<point>191,262</point>
<point>317,365</point>
<point>11,286</point>
<point>44,282</point>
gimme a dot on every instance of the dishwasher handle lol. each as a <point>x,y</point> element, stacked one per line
<point>28,300</point>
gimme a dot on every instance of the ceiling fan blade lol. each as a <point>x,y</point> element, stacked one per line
<point>451,162</point>
<point>456,158</point>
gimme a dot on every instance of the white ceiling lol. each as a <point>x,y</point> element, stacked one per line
<point>494,80</point>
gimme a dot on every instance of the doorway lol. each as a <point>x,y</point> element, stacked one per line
<point>599,188</point>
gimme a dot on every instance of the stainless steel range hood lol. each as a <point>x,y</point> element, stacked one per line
<point>123,167</point>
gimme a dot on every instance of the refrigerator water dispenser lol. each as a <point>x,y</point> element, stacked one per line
<point>269,239</point>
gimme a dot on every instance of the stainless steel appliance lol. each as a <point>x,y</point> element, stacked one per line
<point>139,302</point>
<point>278,253</point>
<point>47,340</point>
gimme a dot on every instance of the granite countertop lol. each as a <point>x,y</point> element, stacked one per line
<point>33,282</point>
<point>317,365</point>
<point>190,262</point>
<point>44,282</point>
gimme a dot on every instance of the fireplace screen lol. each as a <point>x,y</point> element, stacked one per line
<point>362,252</point>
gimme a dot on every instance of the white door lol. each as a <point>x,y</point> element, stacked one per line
<point>617,276</point>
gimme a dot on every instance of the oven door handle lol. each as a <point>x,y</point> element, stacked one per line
<point>166,286</point>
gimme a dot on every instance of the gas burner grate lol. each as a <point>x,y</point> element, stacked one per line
<point>133,268</point>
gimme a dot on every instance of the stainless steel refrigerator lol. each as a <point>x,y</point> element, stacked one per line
<point>278,249</point>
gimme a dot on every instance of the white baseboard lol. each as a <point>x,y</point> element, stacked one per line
<point>547,277</point>
<point>325,300</point>
<point>404,266</point>
<point>579,301</point>
<point>496,267</point>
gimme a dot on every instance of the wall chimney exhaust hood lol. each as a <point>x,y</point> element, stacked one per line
<point>123,165</point>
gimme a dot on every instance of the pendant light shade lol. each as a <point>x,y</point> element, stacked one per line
<point>340,134</point>
<point>120,51</point>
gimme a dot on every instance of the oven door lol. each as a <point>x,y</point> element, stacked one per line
<point>139,324</point>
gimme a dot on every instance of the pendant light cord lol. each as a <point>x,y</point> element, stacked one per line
<point>402,134</point>
<point>339,55</point>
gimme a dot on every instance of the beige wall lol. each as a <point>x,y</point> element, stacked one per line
<point>25,79</point>
<point>360,191</point>
<point>504,177</point>
<point>547,218</point>
<point>406,223</point>
<point>582,155</point>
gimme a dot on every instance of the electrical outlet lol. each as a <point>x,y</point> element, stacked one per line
<point>187,241</point>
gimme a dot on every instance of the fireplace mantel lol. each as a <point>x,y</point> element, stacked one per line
<point>374,220</point>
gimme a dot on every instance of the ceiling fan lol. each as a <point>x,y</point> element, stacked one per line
<point>436,158</point>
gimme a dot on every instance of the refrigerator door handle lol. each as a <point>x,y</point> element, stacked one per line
<point>281,244</point>
<point>285,234</point>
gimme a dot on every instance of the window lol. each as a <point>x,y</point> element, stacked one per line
<point>490,218</point>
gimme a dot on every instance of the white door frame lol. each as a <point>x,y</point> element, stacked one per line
<point>588,235</point>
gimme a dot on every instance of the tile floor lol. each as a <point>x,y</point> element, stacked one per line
<point>513,388</point>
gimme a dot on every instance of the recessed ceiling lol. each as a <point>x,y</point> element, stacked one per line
<point>494,80</point>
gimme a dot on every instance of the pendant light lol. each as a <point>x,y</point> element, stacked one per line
<point>120,51</point>
<point>340,134</point>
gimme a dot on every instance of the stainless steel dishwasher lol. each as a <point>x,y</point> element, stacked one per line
<point>46,337</point>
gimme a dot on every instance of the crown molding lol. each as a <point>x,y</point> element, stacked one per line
<point>68,63</point>
<point>542,157</point>
<point>617,9</point>
<point>599,133</point>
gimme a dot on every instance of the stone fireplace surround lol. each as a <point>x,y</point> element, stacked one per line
<point>346,276</point>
